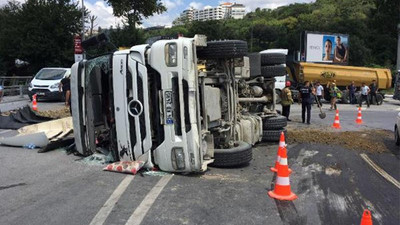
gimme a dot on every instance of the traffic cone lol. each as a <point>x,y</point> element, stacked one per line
<point>366,218</point>
<point>282,145</point>
<point>34,102</point>
<point>282,189</point>
<point>336,123</point>
<point>359,118</point>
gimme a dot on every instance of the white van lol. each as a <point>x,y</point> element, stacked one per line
<point>46,83</point>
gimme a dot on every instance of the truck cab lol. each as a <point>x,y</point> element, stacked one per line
<point>153,103</point>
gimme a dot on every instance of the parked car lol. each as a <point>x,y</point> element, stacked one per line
<point>46,83</point>
<point>397,130</point>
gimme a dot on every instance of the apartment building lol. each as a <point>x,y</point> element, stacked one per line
<point>223,11</point>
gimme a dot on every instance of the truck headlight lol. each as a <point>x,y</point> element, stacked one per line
<point>30,85</point>
<point>178,158</point>
<point>54,86</point>
<point>171,54</point>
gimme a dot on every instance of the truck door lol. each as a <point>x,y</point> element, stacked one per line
<point>131,105</point>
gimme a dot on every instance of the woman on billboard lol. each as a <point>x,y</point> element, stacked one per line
<point>328,50</point>
<point>340,55</point>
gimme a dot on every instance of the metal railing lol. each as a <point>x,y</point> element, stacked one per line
<point>15,85</point>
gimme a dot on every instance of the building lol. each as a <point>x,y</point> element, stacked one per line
<point>223,11</point>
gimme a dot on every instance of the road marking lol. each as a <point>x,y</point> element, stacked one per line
<point>4,131</point>
<point>380,170</point>
<point>106,209</point>
<point>140,212</point>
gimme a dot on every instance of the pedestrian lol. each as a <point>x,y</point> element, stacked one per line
<point>1,92</point>
<point>352,92</point>
<point>320,93</point>
<point>373,90</point>
<point>305,98</point>
<point>286,100</point>
<point>364,94</point>
<point>65,87</point>
<point>335,94</point>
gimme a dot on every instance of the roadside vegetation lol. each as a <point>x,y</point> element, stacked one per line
<point>41,32</point>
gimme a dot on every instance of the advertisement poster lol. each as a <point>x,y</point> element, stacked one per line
<point>327,48</point>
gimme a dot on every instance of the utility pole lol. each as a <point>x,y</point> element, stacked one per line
<point>398,48</point>
<point>83,26</point>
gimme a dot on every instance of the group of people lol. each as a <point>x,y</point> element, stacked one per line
<point>307,91</point>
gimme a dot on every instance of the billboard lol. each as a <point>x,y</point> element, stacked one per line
<point>326,48</point>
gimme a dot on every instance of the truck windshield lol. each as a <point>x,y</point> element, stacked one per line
<point>50,74</point>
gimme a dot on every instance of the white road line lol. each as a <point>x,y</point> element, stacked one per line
<point>4,131</point>
<point>106,209</point>
<point>380,170</point>
<point>141,211</point>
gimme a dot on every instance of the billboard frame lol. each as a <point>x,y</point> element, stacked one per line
<point>303,45</point>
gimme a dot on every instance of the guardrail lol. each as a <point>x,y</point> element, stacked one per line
<point>15,85</point>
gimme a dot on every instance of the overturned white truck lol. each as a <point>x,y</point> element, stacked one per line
<point>178,104</point>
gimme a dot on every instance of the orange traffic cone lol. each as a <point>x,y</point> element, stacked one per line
<point>34,102</point>
<point>282,189</point>
<point>336,123</point>
<point>282,145</point>
<point>359,118</point>
<point>366,218</point>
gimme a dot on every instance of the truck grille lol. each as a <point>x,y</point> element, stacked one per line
<point>131,119</point>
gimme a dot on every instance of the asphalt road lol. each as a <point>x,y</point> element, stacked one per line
<point>333,184</point>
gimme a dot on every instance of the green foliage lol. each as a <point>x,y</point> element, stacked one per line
<point>39,32</point>
<point>135,10</point>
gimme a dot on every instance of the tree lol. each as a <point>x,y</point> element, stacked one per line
<point>135,10</point>
<point>92,20</point>
<point>39,32</point>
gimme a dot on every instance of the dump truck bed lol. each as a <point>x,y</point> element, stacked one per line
<point>343,75</point>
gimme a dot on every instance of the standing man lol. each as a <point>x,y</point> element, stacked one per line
<point>305,95</point>
<point>286,100</point>
<point>1,92</point>
<point>364,94</point>
<point>373,90</point>
<point>65,87</point>
<point>352,92</point>
<point>320,93</point>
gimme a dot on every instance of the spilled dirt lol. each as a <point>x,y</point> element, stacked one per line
<point>367,140</point>
<point>55,114</point>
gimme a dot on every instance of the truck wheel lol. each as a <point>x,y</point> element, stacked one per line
<point>273,135</point>
<point>274,123</point>
<point>239,155</point>
<point>223,49</point>
<point>345,98</point>
<point>379,99</point>
<point>396,136</point>
<point>273,71</point>
<point>272,59</point>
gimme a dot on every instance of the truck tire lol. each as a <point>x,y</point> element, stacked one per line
<point>345,97</point>
<point>223,49</point>
<point>396,136</point>
<point>273,71</point>
<point>239,155</point>
<point>379,99</point>
<point>273,135</point>
<point>274,123</point>
<point>272,59</point>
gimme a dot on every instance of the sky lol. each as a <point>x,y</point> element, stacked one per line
<point>106,19</point>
